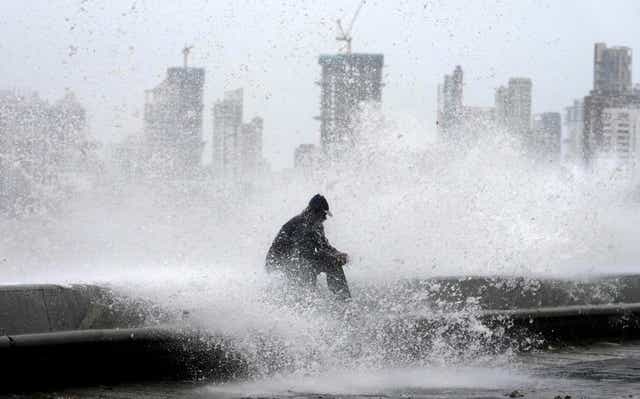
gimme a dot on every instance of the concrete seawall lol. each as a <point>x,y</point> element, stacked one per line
<point>513,292</point>
<point>50,360</point>
<point>569,324</point>
<point>31,309</point>
<point>41,308</point>
<point>53,336</point>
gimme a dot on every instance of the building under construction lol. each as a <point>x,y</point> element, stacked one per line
<point>348,82</point>
<point>173,122</point>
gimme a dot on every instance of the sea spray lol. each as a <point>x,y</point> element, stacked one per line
<point>403,212</point>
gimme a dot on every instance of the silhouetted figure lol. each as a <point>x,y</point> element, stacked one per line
<point>301,251</point>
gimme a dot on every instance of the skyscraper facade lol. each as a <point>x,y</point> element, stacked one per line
<point>450,101</point>
<point>572,144</point>
<point>512,105</point>
<point>227,124</point>
<point>237,146</point>
<point>621,127</point>
<point>547,136</point>
<point>519,105</point>
<point>611,69</point>
<point>250,147</point>
<point>594,123</point>
<point>348,82</point>
<point>501,105</point>
<point>612,88</point>
<point>306,157</point>
<point>40,142</point>
<point>173,122</point>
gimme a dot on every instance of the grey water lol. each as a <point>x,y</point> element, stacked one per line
<point>602,370</point>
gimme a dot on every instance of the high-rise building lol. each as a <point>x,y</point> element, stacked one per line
<point>594,106</point>
<point>572,143</point>
<point>519,105</point>
<point>513,106</point>
<point>348,82</point>
<point>173,122</point>
<point>306,157</point>
<point>450,101</point>
<point>621,127</point>
<point>126,157</point>
<point>40,144</point>
<point>250,147</point>
<point>476,120</point>
<point>612,88</point>
<point>547,136</point>
<point>611,69</point>
<point>501,102</point>
<point>237,146</point>
<point>227,123</point>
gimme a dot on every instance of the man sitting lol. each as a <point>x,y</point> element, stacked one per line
<point>301,251</point>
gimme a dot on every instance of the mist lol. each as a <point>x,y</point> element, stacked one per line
<point>86,197</point>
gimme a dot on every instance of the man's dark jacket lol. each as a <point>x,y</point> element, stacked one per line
<point>301,251</point>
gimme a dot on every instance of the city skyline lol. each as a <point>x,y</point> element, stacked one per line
<point>99,52</point>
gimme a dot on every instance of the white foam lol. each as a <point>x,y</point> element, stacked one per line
<point>382,381</point>
<point>447,209</point>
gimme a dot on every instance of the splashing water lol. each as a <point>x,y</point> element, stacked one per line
<point>401,213</point>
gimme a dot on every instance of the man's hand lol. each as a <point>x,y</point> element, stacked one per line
<point>343,258</point>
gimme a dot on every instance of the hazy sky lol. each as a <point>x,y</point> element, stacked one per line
<point>110,52</point>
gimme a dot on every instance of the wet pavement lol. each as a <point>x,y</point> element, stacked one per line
<point>604,370</point>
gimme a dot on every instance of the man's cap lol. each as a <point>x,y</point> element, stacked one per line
<point>319,203</point>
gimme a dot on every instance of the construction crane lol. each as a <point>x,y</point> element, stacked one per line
<point>185,52</point>
<point>345,36</point>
